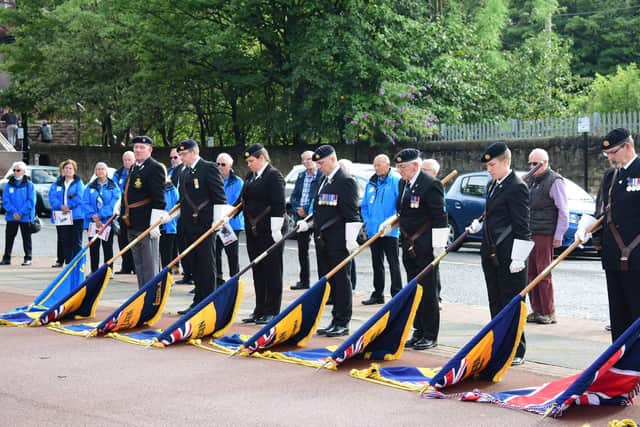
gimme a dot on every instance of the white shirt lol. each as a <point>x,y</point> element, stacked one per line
<point>629,164</point>
<point>259,173</point>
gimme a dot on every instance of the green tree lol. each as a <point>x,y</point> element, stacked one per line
<point>613,93</point>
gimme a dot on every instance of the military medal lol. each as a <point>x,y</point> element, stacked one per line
<point>137,183</point>
<point>415,202</point>
<point>633,184</point>
<point>196,183</point>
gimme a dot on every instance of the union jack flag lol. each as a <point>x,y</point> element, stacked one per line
<point>52,315</point>
<point>110,325</point>
<point>264,341</point>
<point>351,350</point>
<point>179,334</point>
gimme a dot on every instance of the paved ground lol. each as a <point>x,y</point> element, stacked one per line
<point>53,379</point>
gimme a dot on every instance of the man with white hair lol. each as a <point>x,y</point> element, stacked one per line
<point>430,167</point>
<point>548,220</point>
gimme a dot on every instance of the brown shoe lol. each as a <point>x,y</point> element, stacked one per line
<point>546,319</point>
<point>533,317</point>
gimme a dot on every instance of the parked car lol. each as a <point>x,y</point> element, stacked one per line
<point>465,200</point>
<point>42,177</point>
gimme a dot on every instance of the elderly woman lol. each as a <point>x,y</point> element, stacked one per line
<point>65,196</point>
<point>19,201</point>
<point>98,203</point>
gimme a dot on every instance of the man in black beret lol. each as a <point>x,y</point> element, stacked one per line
<point>423,225</point>
<point>620,233</point>
<point>202,201</point>
<point>336,220</point>
<point>142,205</point>
<point>505,241</point>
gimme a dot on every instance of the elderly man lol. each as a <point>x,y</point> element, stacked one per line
<point>120,177</point>
<point>549,219</point>
<point>430,167</point>
<point>620,234</point>
<point>300,200</point>
<point>379,203</point>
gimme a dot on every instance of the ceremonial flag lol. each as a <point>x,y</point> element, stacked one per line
<point>381,337</point>
<point>69,278</point>
<point>144,308</point>
<point>613,379</point>
<point>212,316</point>
<point>402,377</point>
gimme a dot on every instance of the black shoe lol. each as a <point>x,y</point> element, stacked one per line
<point>58,264</point>
<point>373,301</point>
<point>298,286</point>
<point>425,344</point>
<point>117,272</point>
<point>338,331</point>
<point>251,319</point>
<point>263,320</point>
<point>517,361</point>
<point>192,291</point>
<point>185,311</point>
<point>607,328</point>
<point>184,281</point>
<point>26,262</point>
<point>324,331</point>
<point>5,261</point>
<point>411,341</point>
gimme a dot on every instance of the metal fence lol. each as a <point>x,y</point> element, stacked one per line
<point>598,124</point>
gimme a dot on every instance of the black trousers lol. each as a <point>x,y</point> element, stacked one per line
<point>340,284</point>
<point>303,256</point>
<point>427,320</point>
<point>181,241</point>
<point>624,300</point>
<point>201,260</point>
<point>94,251</point>
<point>59,247</point>
<point>167,246</point>
<point>127,258</point>
<point>502,286</point>
<point>71,236</point>
<point>10,232</point>
<point>232,257</point>
<point>381,248</point>
<point>267,275</point>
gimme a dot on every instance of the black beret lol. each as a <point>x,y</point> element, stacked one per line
<point>142,139</point>
<point>251,151</point>
<point>615,137</point>
<point>323,151</point>
<point>407,155</point>
<point>494,150</point>
<point>187,144</point>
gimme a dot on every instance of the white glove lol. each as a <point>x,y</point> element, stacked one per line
<point>276,228</point>
<point>519,254</point>
<point>221,212</point>
<point>439,237</point>
<point>302,226</point>
<point>586,221</point>
<point>175,214</point>
<point>159,214</point>
<point>154,233</point>
<point>474,227</point>
<point>351,230</point>
<point>386,226</point>
<point>116,207</point>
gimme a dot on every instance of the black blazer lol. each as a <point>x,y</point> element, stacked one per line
<point>257,195</point>
<point>508,205</point>
<point>204,188</point>
<point>337,200</point>
<point>144,181</point>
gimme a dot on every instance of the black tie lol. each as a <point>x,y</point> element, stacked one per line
<point>407,192</point>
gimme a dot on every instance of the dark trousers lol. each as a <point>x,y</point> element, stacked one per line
<point>201,260</point>
<point>502,286</point>
<point>624,300</point>
<point>267,275</point>
<point>10,232</point>
<point>541,297</point>
<point>232,257</point>
<point>127,258</point>
<point>181,241</point>
<point>71,236</point>
<point>381,248</point>
<point>94,251</point>
<point>340,284</point>
<point>59,247</point>
<point>303,256</point>
<point>427,320</point>
<point>167,246</point>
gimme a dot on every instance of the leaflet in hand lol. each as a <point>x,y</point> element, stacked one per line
<point>63,218</point>
<point>93,229</point>
<point>227,235</point>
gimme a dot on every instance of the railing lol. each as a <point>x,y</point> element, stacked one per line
<point>4,144</point>
<point>600,124</point>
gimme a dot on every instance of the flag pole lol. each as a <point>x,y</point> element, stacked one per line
<point>141,236</point>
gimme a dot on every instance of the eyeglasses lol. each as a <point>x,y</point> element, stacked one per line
<point>614,151</point>
<point>174,157</point>
<point>534,163</point>
<point>17,170</point>
<point>222,164</point>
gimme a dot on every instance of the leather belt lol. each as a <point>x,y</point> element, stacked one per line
<point>412,238</point>
<point>255,220</point>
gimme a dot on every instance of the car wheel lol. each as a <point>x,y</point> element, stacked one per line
<point>453,234</point>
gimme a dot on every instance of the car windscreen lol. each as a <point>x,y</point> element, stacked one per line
<point>44,176</point>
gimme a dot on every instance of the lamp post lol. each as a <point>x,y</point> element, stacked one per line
<point>79,109</point>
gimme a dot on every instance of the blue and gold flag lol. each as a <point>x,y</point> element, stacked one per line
<point>144,308</point>
<point>68,279</point>
<point>403,377</point>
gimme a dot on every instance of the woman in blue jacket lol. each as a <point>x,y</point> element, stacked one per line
<point>98,203</point>
<point>65,195</point>
<point>19,201</point>
<point>169,230</point>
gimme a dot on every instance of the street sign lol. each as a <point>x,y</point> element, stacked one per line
<point>584,124</point>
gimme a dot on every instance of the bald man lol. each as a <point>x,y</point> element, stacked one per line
<point>548,221</point>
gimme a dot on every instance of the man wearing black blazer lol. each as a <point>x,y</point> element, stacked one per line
<point>423,225</point>
<point>336,220</point>
<point>263,208</point>
<point>505,243</point>
<point>202,201</point>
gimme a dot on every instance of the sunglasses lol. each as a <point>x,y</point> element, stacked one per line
<point>17,170</point>
<point>174,157</point>
<point>534,163</point>
<point>222,164</point>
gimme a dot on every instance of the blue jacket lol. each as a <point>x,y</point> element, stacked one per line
<point>99,199</point>
<point>20,197</point>
<point>120,177</point>
<point>170,199</point>
<point>379,202</point>
<point>74,197</point>
<point>232,189</point>
<point>296,195</point>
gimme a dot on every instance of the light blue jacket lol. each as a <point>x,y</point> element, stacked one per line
<point>232,189</point>
<point>74,197</point>
<point>170,199</point>
<point>19,197</point>
<point>99,199</point>
<point>379,202</point>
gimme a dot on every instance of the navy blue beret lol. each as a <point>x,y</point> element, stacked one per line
<point>494,150</point>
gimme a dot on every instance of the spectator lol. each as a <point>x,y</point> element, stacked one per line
<point>11,120</point>
<point>120,177</point>
<point>168,248</point>
<point>45,132</point>
<point>19,202</point>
